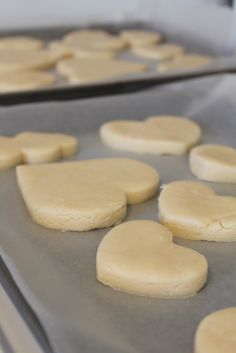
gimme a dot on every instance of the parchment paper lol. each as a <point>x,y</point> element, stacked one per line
<point>55,271</point>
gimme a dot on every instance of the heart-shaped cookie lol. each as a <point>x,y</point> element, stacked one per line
<point>216,333</point>
<point>85,195</point>
<point>192,210</point>
<point>24,80</point>
<point>21,59</point>
<point>91,70</point>
<point>20,42</point>
<point>140,38</point>
<point>139,257</point>
<point>214,163</point>
<point>159,52</point>
<point>156,135</point>
<point>34,147</point>
<point>184,62</point>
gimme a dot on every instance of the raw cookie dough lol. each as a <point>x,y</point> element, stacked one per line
<point>214,163</point>
<point>184,62</point>
<point>216,332</point>
<point>139,257</point>
<point>85,195</point>
<point>159,52</point>
<point>20,42</point>
<point>24,80</point>
<point>34,147</point>
<point>139,38</point>
<point>192,210</point>
<point>18,59</point>
<point>92,70</point>
<point>156,135</point>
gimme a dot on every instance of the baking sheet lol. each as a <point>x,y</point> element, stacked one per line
<point>63,88</point>
<point>55,271</point>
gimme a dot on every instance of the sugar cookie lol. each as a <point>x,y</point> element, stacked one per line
<point>20,42</point>
<point>62,49</point>
<point>138,38</point>
<point>84,36</point>
<point>192,210</point>
<point>85,195</point>
<point>110,42</point>
<point>18,59</point>
<point>91,70</point>
<point>214,163</point>
<point>34,147</point>
<point>216,332</point>
<point>184,62</point>
<point>156,135</point>
<point>24,80</point>
<point>81,51</point>
<point>159,52</point>
<point>140,257</point>
<point>10,155</point>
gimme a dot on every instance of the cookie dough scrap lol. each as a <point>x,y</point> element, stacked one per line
<point>85,195</point>
<point>140,257</point>
<point>139,38</point>
<point>184,62</point>
<point>20,42</point>
<point>214,163</point>
<point>21,59</point>
<point>24,80</point>
<point>155,135</point>
<point>92,70</point>
<point>216,332</point>
<point>192,210</point>
<point>159,52</point>
<point>32,147</point>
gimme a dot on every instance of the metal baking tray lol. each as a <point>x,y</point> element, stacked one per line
<point>55,271</point>
<point>62,89</point>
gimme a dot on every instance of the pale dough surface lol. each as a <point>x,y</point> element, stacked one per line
<point>85,195</point>
<point>184,62</point>
<point>216,332</point>
<point>192,210</point>
<point>21,59</point>
<point>34,147</point>
<point>156,135</point>
<point>214,163</point>
<point>20,42</point>
<point>140,257</point>
<point>139,38</point>
<point>92,70</point>
<point>159,52</point>
<point>24,80</point>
